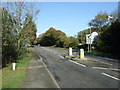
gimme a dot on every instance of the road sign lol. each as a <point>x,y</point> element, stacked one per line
<point>88,39</point>
<point>91,38</point>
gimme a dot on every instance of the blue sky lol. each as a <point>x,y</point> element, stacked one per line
<point>69,17</point>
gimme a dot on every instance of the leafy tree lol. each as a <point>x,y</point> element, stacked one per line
<point>73,42</point>
<point>52,37</point>
<point>29,30</point>
<point>49,38</point>
<point>82,36</point>
<point>9,48</point>
<point>61,39</point>
<point>99,21</point>
<point>39,38</point>
<point>109,39</point>
<point>14,38</point>
<point>20,10</point>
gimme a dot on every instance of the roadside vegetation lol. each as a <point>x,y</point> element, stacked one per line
<point>107,42</point>
<point>14,79</point>
<point>108,39</point>
<point>57,38</point>
<point>98,53</point>
<point>18,32</point>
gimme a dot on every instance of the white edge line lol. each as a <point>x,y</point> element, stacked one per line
<point>51,75</point>
<point>49,72</point>
<point>60,56</point>
<point>105,68</point>
<point>78,63</point>
<point>103,62</point>
<point>111,76</point>
<point>106,63</point>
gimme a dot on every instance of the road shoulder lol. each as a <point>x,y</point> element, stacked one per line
<point>37,76</point>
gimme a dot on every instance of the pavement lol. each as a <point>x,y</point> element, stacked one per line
<point>38,76</point>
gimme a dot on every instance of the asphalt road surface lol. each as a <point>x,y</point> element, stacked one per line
<point>96,72</point>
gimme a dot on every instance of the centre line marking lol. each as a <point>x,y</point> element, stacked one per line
<point>78,63</point>
<point>111,76</point>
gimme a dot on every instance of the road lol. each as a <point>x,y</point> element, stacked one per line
<point>93,73</point>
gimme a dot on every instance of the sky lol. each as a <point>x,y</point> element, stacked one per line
<point>70,17</point>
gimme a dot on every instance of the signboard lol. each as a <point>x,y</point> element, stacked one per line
<point>88,39</point>
<point>91,38</point>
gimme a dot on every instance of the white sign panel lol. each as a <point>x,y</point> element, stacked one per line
<point>88,39</point>
<point>91,38</point>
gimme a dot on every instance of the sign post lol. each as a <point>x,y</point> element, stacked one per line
<point>88,41</point>
<point>90,38</point>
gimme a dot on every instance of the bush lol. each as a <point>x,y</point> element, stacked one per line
<point>109,39</point>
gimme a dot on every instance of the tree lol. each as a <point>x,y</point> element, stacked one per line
<point>29,30</point>
<point>82,36</point>
<point>61,39</point>
<point>99,21</point>
<point>52,37</point>
<point>9,48</point>
<point>14,38</point>
<point>109,39</point>
<point>73,42</point>
<point>49,38</point>
<point>20,10</point>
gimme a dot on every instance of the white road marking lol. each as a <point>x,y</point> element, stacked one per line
<point>60,56</point>
<point>102,62</point>
<point>111,76</point>
<point>35,67</point>
<point>51,75</point>
<point>78,63</point>
<point>105,68</point>
<point>106,63</point>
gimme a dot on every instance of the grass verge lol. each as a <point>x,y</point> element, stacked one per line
<point>97,53</point>
<point>14,79</point>
<point>57,47</point>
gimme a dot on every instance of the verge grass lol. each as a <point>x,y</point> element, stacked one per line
<point>14,79</point>
<point>97,53</point>
<point>57,47</point>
